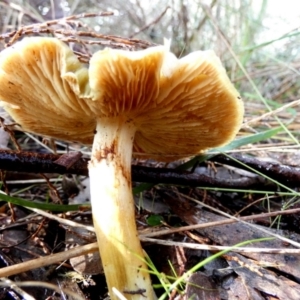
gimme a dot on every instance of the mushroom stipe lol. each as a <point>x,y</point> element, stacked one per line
<point>145,101</point>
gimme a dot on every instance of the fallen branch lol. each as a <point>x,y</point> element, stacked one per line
<point>48,260</point>
<point>287,175</point>
<point>74,163</point>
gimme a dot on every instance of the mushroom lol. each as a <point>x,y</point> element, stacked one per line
<point>146,101</point>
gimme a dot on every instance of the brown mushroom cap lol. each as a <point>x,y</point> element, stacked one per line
<point>180,107</point>
<point>36,93</point>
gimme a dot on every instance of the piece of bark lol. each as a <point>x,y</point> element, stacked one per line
<point>67,160</point>
<point>200,286</point>
<point>87,264</point>
<point>238,289</point>
<point>231,234</point>
<point>263,281</point>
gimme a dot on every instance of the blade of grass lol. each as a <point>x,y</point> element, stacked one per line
<point>285,36</point>
<point>261,174</point>
<point>214,22</point>
<point>247,191</point>
<point>257,137</point>
<point>43,206</point>
<point>187,274</point>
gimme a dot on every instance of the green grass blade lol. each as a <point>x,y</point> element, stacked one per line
<point>142,187</point>
<point>184,277</point>
<point>254,138</point>
<point>43,206</point>
<point>285,36</point>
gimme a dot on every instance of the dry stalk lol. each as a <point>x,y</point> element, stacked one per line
<point>48,260</point>
<point>67,30</point>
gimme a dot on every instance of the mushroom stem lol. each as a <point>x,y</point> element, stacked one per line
<point>113,210</point>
